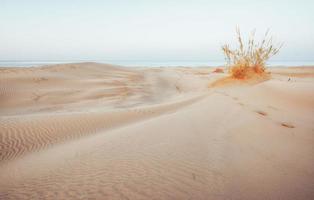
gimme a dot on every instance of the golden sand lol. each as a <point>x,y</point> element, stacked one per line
<point>80,131</point>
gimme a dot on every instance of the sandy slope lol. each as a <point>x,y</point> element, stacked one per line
<point>80,131</point>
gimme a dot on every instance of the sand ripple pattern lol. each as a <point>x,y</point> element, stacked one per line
<point>96,131</point>
<point>21,135</point>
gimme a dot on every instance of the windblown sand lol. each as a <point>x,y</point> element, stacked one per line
<point>96,131</point>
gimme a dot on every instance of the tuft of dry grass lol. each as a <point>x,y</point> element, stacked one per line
<point>249,59</point>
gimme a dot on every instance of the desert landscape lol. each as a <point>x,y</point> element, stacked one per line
<point>101,131</point>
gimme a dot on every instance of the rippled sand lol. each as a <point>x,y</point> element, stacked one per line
<point>96,131</point>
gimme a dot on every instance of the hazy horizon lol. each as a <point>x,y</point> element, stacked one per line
<point>146,30</point>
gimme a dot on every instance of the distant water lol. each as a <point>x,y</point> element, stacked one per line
<point>139,63</point>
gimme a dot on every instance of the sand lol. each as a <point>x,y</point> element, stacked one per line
<point>98,131</point>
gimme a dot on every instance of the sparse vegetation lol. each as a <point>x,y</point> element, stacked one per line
<point>249,58</point>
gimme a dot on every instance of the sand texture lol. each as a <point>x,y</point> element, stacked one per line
<point>99,131</point>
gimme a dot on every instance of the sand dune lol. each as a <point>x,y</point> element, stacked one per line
<point>96,131</point>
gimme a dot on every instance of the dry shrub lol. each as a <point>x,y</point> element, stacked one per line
<point>249,59</point>
<point>218,70</point>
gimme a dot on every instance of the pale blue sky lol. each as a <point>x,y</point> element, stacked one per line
<point>148,30</point>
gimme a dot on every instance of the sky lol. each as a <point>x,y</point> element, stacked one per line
<point>149,29</point>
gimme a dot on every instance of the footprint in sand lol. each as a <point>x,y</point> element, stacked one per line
<point>287,125</point>
<point>241,104</point>
<point>261,113</point>
<point>284,124</point>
